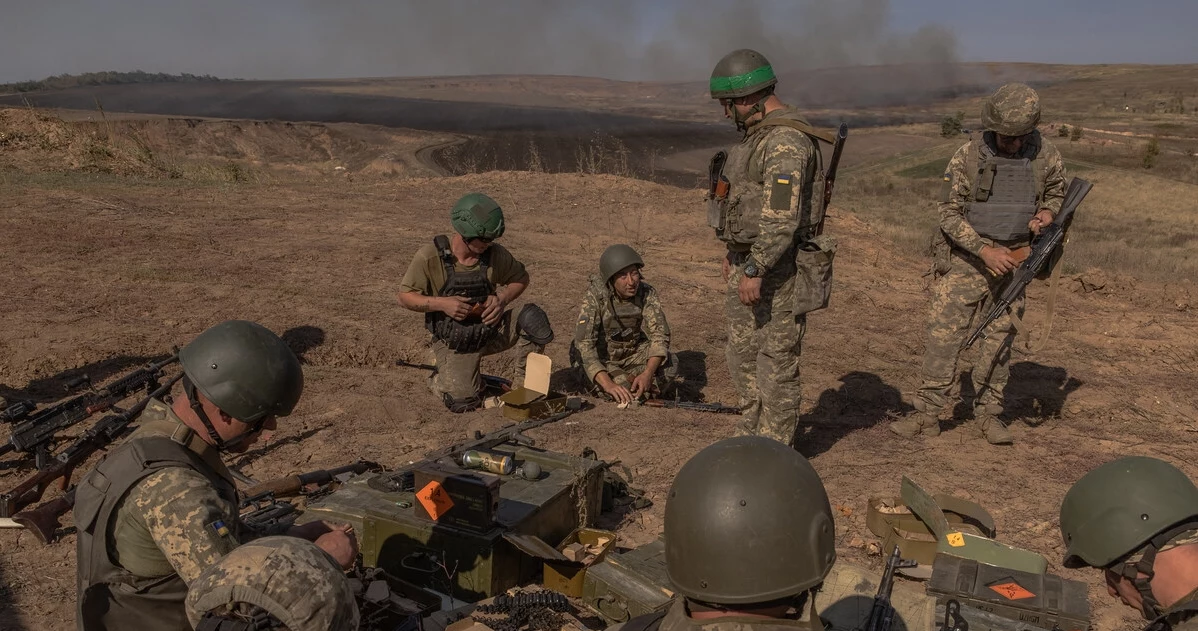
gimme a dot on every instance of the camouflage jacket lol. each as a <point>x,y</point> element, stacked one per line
<point>611,329</point>
<point>771,174</point>
<point>958,186</point>
<point>1182,616</point>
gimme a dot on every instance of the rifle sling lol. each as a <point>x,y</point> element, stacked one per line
<point>802,126</point>
<point>1054,283</point>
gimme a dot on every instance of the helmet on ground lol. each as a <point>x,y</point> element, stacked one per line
<point>741,73</point>
<point>617,257</point>
<point>1013,110</point>
<point>477,216</point>
<point>244,369</point>
<point>748,521</point>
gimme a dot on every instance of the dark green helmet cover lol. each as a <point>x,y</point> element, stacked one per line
<point>476,215</point>
<point>741,73</point>
<point>617,257</point>
<point>748,521</point>
<point>244,369</point>
<point>1117,508</point>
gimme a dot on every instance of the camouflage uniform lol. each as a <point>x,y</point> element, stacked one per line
<point>291,579</point>
<point>771,174</point>
<point>1182,616</point>
<point>138,550</point>
<point>964,289</point>
<point>619,336</point>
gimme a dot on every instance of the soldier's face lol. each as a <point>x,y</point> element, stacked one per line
<point>1009,145</point>
<point>627,281</point>
<point>478,245</point>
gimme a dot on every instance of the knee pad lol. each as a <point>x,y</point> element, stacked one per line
<point>534,325</point>
<point>458,406</point>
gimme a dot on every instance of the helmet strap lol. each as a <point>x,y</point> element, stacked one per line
<point>189,388</point>
<point>1151,607</point>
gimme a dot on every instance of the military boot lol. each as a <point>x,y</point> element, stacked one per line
<point>925,420</point>
<point>991,426</point>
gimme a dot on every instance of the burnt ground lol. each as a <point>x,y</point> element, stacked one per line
<point>102,267</point>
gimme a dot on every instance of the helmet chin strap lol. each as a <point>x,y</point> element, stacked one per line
<point>1150,606</point>
<point>742,121</point>
<point>221,444</point>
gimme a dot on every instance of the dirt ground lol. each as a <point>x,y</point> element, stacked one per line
<point>103,267</point>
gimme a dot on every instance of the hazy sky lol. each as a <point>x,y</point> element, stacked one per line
<point>623,39</point>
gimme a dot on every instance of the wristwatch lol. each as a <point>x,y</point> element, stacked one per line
<point>752,271</point>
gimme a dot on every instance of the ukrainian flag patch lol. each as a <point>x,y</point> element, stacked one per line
<point>783,180</point>
<point>219,528</point>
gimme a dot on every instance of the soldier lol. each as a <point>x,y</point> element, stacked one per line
<point>768,221</point>
<point>276,583</point>
<point>1136,518</point>
<point>162,506</point>
<point>463,284</point>
<point>1000,188</point>
<point>622,342</point>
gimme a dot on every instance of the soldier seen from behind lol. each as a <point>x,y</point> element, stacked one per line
<point>621,345</point>
<point>463,283</point>
<point>1136,519</point>
<point>1000,189</point>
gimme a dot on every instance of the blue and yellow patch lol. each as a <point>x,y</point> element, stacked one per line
<point>947,177</point>
<point>783,180</point>
<point>219,528</point>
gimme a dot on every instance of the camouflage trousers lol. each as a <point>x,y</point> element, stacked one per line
<point>625,370</point>
<point>458,374</point>
<point>764,343</point>
<point>960,299</point>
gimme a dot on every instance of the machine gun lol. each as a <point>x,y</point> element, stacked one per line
<point>20,410</point>
<point>881,616</point>
<point>33,432</point>
<point>842,134</point>
<point>1051,236</point>
<point>715,408</point>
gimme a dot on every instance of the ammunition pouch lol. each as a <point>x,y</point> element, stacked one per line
<point>460,337</point>
<point>813,274</point>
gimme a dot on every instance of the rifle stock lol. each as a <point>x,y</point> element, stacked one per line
<point>43,520</point>
<point>294,484</point>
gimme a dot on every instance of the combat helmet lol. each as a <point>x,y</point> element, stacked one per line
<point>477,216</point>
<point>1126,506</point>
<point>1013,110</point>
<point>245,370</point>
<point>287,578</point>
<point>747,521</point>
<point>741,73</point>
<point>617,257</point>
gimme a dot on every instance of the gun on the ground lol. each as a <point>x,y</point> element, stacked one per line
<point>491,381</point>
<point>842,134</point>
<point>98,436</point>
<point>715,408</point>
<point>1050,238</point>
<point>268,514</point>
<point>881,615</point>
<point>35,433</point>
<point>21,409</point>
<point>295,484</point>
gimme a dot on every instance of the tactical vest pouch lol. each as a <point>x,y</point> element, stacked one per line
<point>717,213</point>
<point>1004,200</point>
<point>813,276</point>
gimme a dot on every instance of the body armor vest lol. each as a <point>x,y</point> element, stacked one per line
<point>471,334</point>
<point>622,333</point>
<point>737,218</point>
<point>1005,193</point>
<point>109,596</point>
<point>1180,616</point>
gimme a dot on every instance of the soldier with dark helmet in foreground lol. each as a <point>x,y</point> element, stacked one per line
<point>621,345</point>
<point>463,283</point>
<point>162,507</point>
<point>1136,518</point>
<point>1000,189</point>
<point>277,583</point>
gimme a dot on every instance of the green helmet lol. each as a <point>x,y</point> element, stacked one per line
<point>244,369</point>
<point>289,578</point>
<point>1117,508</point>
<point>617,257</point>
<point>747,521</point>
<point>476,215</point>
<point>741,73</point>
<point>1013,110</point>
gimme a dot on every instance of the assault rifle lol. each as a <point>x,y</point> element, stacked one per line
<point>715,408</point>
<point>1042,250</point>
<point>35,431</point>
<point>881,615</point>
<point>20,410</point>
<point>268,515</point>
<point>490,381</point>
<point>98,436</point>
<point>295,484</point>
<point>842,134</point>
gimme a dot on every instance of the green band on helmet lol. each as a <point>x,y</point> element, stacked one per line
<point>740,81</point>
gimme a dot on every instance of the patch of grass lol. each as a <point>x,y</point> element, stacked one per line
<point>932,169</point>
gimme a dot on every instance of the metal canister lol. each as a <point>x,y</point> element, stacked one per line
<point>487,461</point>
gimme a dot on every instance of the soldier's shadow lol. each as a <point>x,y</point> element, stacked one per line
<point>852,612</point>
<point>1035,393</point>
<point>863,400</point>
<point>69,382</point>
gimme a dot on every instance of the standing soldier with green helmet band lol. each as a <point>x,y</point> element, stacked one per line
<point>1136,518</point>
<point>777,267</point>
<point>622,342</point>
<point>1000,189</point>
<point>463,284</point>
<point>162,507</point>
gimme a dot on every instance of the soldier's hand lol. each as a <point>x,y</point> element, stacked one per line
<point>617,392</point>
<point>749,290</point>
<point>456,307</point>
<point>998,259</point>
<point>727,268</point>
<point>1042,218</point>
<point>493,309</point>
<point>341,543</point>
<point>641,384</point>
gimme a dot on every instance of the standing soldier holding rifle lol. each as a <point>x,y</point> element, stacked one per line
<point>1001,188</point>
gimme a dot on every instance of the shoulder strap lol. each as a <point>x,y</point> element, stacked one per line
<point>445,253</point>
<point>802,126</point>
<point>647,622</point>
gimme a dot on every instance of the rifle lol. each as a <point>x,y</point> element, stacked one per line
<point>716,408</point>
<point>881,616</point>
<point>842,134</point>
<point>1042,249</point>
<point>21,409</point>
<point>295,484</point>
<point>36,432</point>
<point>490,381</point>
<point>267,513</point>
<point>95,438</point>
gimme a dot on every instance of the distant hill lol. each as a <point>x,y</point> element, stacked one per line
<point>61,81</point>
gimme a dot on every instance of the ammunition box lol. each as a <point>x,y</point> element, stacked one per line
<point>402,607</point>
<point>567,576</point>
<point>468,564</point>
<point>522,404</point>
<point>470,499</point>
<point>1044,601</point>
<point>628,584</point>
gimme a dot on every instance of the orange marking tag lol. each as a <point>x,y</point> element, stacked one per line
<point>1012,591</point>
<point>434,499</point>
<point>955,539</point>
